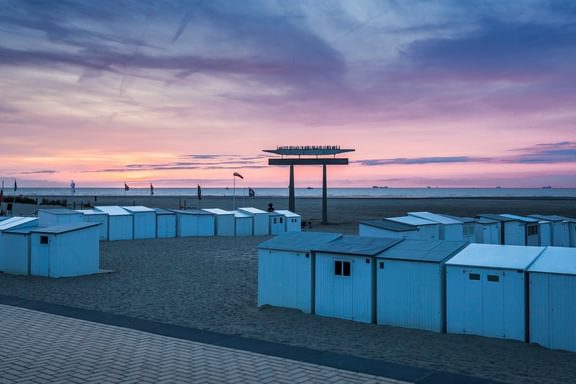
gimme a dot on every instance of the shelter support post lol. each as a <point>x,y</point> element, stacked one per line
<point>291,196</point>
<point>324,196</point>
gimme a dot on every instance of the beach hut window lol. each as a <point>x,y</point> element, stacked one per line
<point>532,230</point>
<point>281,219</point>
<point>474,276</point>
<point>43,239</point>
<point>493,278</point>
<point>341,268</point>
<point>274,220</point>
<point>381,265</point>
<point>367,261</point>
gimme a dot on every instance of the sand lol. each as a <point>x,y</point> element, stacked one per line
<point>211,283</point>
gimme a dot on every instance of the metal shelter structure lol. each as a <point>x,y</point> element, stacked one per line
<point>309,155</point>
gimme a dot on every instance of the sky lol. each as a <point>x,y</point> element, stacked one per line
<point>445,93</point>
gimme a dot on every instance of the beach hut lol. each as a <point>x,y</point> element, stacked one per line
<point>345,277</point>
<point>411,283</point>
<point>243,224</point>
<point>427,229</point>
<point>560,229</point>
<point>512,231</point>
<point>449,229</point>
<point>487,231</point>
<point>120,222</point>
<point>531,228</point>
<point>165,223</point>
<point>58,216</point>
<point>552,299</point>
<point>8,243</point>
<point>144,222</point>
<point>260,220</point>
<point>293,221</point>
<point>277,224</point>
<point>224,221</point>
<point>468,227</point>
<point>94,216</point>
<point>15,251</point>
<point>286,269</point>
<point>388,229</point>
<point>486,290</point>
<point>194,222</point>
<point>65,250</point>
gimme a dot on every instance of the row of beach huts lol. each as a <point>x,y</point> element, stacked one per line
<point>525,293</point>
<point>535,230</point>
<point>64,242</point>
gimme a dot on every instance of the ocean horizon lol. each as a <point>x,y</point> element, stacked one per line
<point>381,192</point>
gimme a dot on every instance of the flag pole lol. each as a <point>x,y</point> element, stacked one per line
<point>234,193</point>
<point>14,198</point>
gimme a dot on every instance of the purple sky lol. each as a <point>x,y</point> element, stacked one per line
<point>441,93</point>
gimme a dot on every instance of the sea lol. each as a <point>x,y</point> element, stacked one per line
<point>307,192</point>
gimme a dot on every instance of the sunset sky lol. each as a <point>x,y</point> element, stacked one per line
<point>175,93</point>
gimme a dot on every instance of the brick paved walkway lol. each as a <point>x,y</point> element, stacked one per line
<point>37,347</point>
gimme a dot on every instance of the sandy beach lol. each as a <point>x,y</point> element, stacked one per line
<point>211,283</point>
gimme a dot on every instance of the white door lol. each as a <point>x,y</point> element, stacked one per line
<point>343,299</point>
<point>473,302</point>
<point>493,303</point>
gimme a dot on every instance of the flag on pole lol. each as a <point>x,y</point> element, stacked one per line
<point>126,187</point>
<point>73,186</point>
<point>199,192</point>
<point>251,192</point>
<point>2,193</point>
<point>15,186</point>
<point>238,175</point>
<point>151,189</point>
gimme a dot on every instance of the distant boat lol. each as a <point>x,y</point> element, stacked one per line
<point>498,187</point>
<point>375,186</point>
<point>309,188</point>
<point>547,187</point>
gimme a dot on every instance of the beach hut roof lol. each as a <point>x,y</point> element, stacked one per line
<point>113,210</point>
<point>496,217</point>
<point>299,241</point>
<point>192,211</point>
<point>90,212</point>
<point>423,250</point>
<point>162,211</point>
<point>138,209</point>
<point>521,218</point>
<point>555,218</point>
<point>252,210</point>
<point>484,220</point>
<point>435,217</point>
<point>389,225</point>
<point>357,245</point>
<point>559,260</point>
<point>15,221</point>
<point>411,220</point>
<point>568,219</point>
<point>58,229</point>
<point>287,213</point>
<point>59,211</point>
<point>241,214</point>
<point>496,256</point>
<point>462,219</point>
<point>218,211</point>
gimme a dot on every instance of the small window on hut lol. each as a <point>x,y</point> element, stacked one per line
<point>338,268</point>
<point>474,276</point>
<point>341,268</point>
<point>281,219</point>
<point>43,239</point>
<point>346,265</point>
<point>494,278</point>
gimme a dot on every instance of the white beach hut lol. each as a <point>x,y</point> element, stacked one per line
<point>15,251</point>
<point>144,222</point>
<point>58,216</point>
<point>552,299</point>
<point>165,223</point>
<point>277,224</point>
<point>560,228</point>
<point>94,216</point>
<point>486,290</point>
<point>293,221</point>
<point>224,221</point>
<point>260,220</point>
<point>531,228</point>
<point>487,231</point>
<point>194,222</point>
<point>468,227</point>
<point>286,269</point>
<point>411,283</point>
<point>427,229</point>
<point>65,250</point>
<point>512,231</point>
<point>120,222</point>
<point>9,243</point>
<point>388,229</point>
<point>243,224</point>
<point>449,229</point>
<point>345,277</point>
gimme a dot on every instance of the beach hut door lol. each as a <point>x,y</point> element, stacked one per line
<point>43,260</point>
<point>473,302</point>
<point>343,302</point>
<point>493,299</point>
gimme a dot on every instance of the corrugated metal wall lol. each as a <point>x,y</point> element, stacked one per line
<point>285,279</point>
<point>144,225</point>
<point>345,297</point>
<point>14,253</point>
<point>410,294</point>
<point>120,227</point>
<point>514,233</point>
<point>165,226</point>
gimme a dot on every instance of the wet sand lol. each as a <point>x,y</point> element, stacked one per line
<point>211,283</point>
